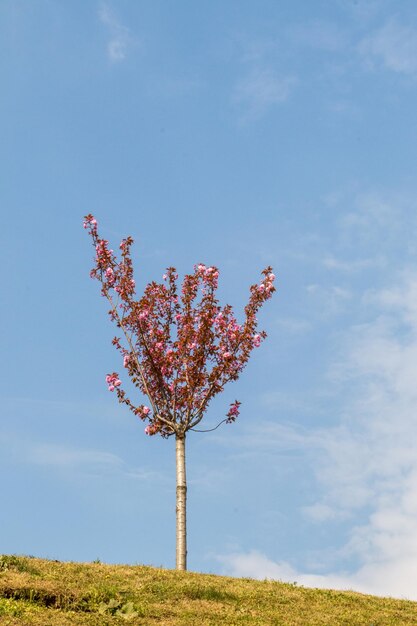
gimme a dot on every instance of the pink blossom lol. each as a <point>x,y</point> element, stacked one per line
<point>145,410</point>
<point>233,412</point>
<point>113,381</point>
<point>257,341</point>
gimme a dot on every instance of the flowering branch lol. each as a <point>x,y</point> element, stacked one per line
<point>181,347</point>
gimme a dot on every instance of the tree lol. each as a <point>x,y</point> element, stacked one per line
<point>179,349</point>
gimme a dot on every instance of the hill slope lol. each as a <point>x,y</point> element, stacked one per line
<point>39,592</point>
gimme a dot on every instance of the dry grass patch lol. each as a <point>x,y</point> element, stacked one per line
<point>37,592</point>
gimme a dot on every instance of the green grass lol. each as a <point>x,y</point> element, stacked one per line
<point>36,592</point>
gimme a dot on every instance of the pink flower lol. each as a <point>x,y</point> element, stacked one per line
<point>145,410</point>
<point>164,277</point>
<point>233,412</point>
<point>113,381</point>
<point>257,341</point>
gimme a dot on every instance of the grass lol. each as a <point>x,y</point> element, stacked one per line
<point>36,592</point>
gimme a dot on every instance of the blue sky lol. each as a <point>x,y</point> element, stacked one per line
<point>239,134</point>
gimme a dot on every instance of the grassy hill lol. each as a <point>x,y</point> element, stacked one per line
<point>39,592</point>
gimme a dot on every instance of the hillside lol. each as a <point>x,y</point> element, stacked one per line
<point>39,592</point>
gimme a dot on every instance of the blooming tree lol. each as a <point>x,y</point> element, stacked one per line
<point>179,348</point>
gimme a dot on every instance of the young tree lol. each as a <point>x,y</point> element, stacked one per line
<point>179,348</point>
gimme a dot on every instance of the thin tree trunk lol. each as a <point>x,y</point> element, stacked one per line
<point>181,560</point>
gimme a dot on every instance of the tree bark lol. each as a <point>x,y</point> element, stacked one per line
<point>181,509</point>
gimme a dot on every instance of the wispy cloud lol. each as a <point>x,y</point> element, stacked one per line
<point>393,47</point>
<point>333,263</point>
<point>282,401</point>
<point>369,460</point>
<point>365,465</point>
<point>293,325</point>
<point>71,460</point>
<point>254,564</point>
<point>330,300</point>
<point>260,90</point>
<point>63,456</point>
<point>120,40</point>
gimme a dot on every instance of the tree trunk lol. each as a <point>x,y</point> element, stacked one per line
<point>181,560</point>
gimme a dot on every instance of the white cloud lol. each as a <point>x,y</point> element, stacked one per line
<point>320,512</point>
<point>262,89</point>
<point>355,265</point>
<point>72,460</point>
<point>329,300</point>
<point>120,38</point>
<point>279,400</point>
<point>293,325</point>
<point>254,564</point>
<point>382,578</point>
<point>366,466</point>
<point>66,457</point>
<point>371,213</point>
<point>394,47</point>
<point>371,459</point>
